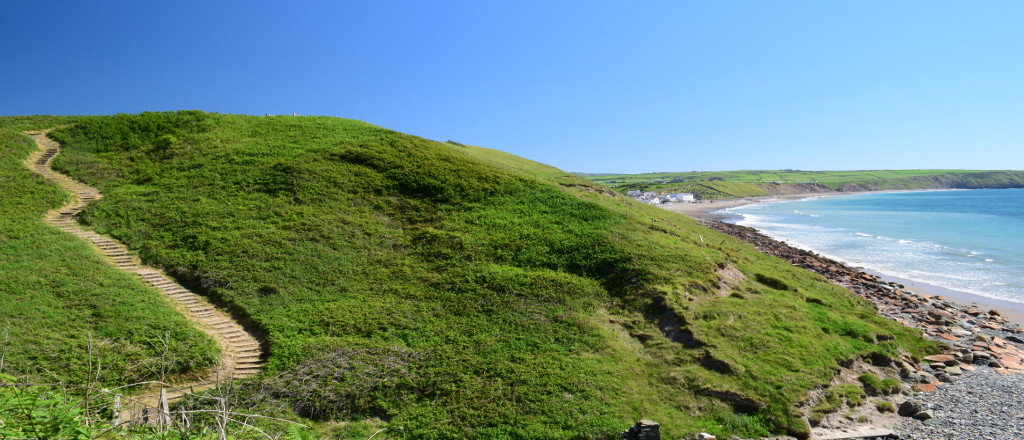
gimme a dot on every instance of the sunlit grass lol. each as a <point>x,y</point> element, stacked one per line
<point>462,292</point>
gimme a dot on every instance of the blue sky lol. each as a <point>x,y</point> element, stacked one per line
<point>590,86</point>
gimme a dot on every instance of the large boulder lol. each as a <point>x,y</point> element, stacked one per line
<point>925,415</point>
<point>910,408</point>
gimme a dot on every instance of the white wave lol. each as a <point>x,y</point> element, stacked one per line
<point>944,275</point>
<point>905,241</point>
<point>815,215</point>
<point>989,260</point>
<point>863,234</point>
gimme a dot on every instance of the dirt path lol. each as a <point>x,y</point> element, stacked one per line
<point>241,353</point>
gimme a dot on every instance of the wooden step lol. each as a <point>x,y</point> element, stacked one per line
<point>248,353</point>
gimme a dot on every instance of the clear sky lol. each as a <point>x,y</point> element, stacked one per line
<point>587,86</point>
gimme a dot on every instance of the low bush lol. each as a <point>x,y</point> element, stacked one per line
<point>878,386</point>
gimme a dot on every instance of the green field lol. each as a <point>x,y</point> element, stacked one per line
<point>831,178</point>
<point>734,184</point>
<point>446,291</point>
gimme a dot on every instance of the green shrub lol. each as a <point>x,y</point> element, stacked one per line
<point>884,406</point>
<point>878,386</point>
<point>771,281</point>
<point>854,394</point>
<point>833,399</point>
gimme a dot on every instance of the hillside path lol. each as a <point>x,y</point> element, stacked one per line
<point>241,353</point>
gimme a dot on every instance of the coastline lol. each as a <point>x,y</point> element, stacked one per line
<point>1012,311</point>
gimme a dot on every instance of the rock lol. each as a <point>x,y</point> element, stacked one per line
<point>993,313</point>
<point>1016,339</point>
<point>960,332</point>
<point>937,365</point>
<point>643,430</point>
<point>1011,362</point>
<point>954,371</point>
<point>706,436</point>
<point>925,415</point>
<point>939,358</point>
<point>967,358</point>
<point>910,408</point>
<point>981,355</point>
<point>925,387</point>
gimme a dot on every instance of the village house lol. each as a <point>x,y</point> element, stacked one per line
<point>655,198</point>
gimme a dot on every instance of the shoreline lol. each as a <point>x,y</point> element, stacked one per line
<point>1012,311</point>
<point>702,212</point>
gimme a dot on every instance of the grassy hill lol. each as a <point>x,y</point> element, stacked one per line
<point>448,291</point>
<point>59,295</point>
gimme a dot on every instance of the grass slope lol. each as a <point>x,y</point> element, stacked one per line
<point>508,161</point>
<point>405,283</point>
<point>58,292</point>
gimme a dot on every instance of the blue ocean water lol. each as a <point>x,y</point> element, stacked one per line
<point>966,240</point>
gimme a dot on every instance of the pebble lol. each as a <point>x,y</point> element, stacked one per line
<point>983,405</point>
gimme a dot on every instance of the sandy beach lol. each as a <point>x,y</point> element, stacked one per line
<point>705,210</point>
<point>1013,311</point>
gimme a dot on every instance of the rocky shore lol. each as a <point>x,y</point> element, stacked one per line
<point>971,390</point>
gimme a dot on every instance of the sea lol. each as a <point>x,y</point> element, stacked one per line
<point>966,240</point>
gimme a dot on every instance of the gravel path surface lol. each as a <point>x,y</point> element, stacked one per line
<point>981,405</point>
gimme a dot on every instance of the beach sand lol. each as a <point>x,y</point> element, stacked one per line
<point>705,209</point>
<point>1012,311</point>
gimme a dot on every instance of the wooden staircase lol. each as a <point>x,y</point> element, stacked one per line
<point>241,353</point>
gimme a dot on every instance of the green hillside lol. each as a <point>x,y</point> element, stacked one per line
<point>59,295</point>
<point>445,291</point>
<point>732,184</point>
<point>508,161</point>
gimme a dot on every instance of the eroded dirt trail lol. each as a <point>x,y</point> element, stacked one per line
<point>241,353</point>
